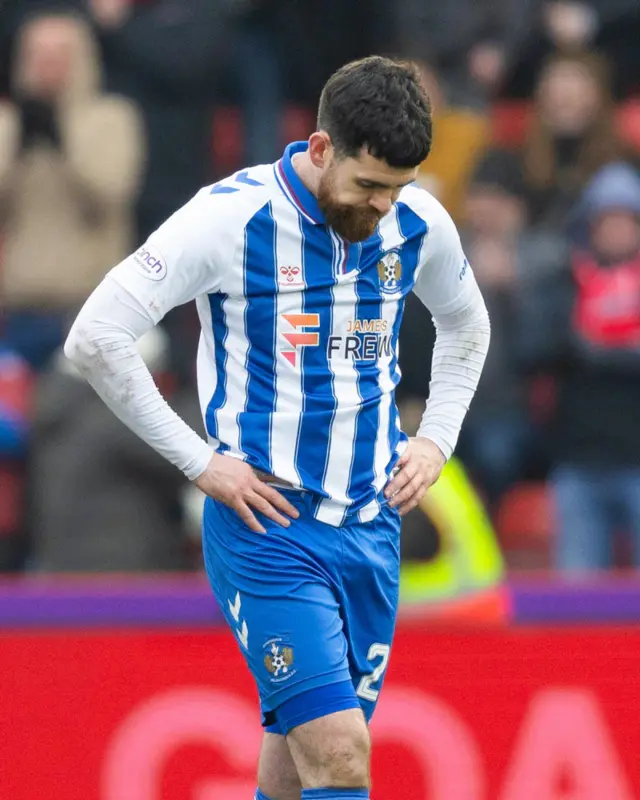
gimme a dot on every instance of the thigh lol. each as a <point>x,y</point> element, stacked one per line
<point>369,601</point>
<point>278,603</point>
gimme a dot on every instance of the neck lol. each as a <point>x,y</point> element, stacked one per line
<point>308,174</point>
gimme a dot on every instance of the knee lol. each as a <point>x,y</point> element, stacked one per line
<point>346,759</point>
<point>332,751</point>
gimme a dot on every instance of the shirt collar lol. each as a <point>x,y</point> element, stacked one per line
<point>293,187</point>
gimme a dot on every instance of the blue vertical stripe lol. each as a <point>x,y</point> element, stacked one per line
<point>369,306</point>
<point>261,290</point>
<point>352,262</point>
<point>319,399</point>
<point>414,229</point>
<point>220,334</point>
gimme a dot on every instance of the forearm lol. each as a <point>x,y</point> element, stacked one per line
<point>101,344</point>
<point>462,342</point>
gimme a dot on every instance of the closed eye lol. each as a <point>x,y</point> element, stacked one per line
<point>365,184</point>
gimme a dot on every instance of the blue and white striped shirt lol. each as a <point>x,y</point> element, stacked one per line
<point>298,356</point>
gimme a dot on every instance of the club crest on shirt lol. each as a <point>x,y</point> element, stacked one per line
<point>390,272</point>
<point>278,660</point>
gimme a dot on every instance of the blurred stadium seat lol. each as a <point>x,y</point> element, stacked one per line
<point>227,134</point>
<point>226,139</point>
<point>524,523</point>
<point>629,122</point>
<point>509,122</point>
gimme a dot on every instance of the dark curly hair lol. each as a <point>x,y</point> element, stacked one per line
<point>378,104</point>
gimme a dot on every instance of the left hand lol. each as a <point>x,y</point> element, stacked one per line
<point>418,468</point>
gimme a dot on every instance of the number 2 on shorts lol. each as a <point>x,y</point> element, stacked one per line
<point>364,689</point>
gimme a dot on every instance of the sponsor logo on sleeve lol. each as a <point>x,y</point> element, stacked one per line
<point>149,262</point>
<point>463,271</point>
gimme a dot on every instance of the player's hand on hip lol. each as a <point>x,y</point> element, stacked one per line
<point>418,468</point>
<point>234,483</point>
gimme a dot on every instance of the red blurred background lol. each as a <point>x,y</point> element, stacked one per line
<point>530,714</point>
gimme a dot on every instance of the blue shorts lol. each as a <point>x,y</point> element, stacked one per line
<point>312,606</point>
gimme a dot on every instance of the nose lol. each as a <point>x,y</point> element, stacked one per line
<point>381,202</point>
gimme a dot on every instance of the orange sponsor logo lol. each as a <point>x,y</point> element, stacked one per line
<point>299,337</point>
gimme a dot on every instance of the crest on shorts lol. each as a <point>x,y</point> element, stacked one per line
<point>390,272</point>
<point>278,660</point>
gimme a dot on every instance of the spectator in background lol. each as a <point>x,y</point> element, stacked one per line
<point>316,37</point>
<point>283,51</point>
<point>583,327</point>
<point>572,134</point>
<point>102,499</point>
<point>609,27</point>
<point>471,43</point>
<point>257,62</point>
<point>496,442</point>
<point>16,382</point>
<point>460,136</point>
<point>8,16</point>
<point>165,55</point>
<point>69,164</point>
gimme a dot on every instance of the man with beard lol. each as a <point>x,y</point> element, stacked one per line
<point>299,270</point>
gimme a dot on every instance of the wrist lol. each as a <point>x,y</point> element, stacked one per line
<point>200,462</point>
<point>433,439</point>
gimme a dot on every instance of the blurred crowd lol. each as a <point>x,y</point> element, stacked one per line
<point>114,112</point>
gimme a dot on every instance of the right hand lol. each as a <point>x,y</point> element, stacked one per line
<point>110,14</point>
<point>234,483</point>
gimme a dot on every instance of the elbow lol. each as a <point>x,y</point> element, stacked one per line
<point>79,346</point>
<point>482,316</point>
<point>484,329</point>
<point>93,344</point>
<point>70,346</point>
<point>480,322</point>
<point>470,320</point>
<point>486,323</point>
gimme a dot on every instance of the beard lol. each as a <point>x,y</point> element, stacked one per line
<point>351,223</point>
